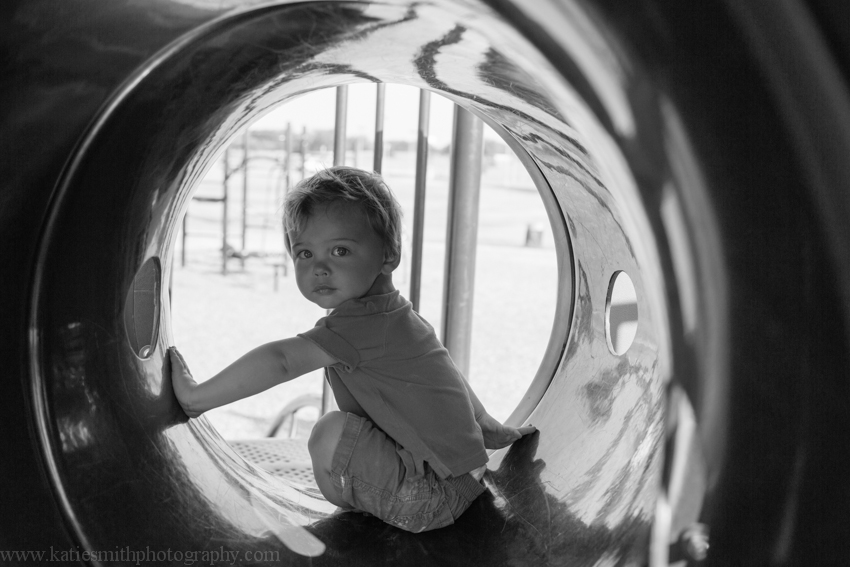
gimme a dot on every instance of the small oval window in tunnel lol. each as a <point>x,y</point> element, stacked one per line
<point>141,308</point>
<point>621,313</point>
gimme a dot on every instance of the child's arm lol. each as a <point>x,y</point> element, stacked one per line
<point>495,434</point>
<point>260,369</point>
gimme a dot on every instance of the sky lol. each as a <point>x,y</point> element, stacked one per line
<point>401,114</point>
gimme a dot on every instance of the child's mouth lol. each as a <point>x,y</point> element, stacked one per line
<point>323,289</point>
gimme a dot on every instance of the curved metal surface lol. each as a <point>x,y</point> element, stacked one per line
<point>652,158</point>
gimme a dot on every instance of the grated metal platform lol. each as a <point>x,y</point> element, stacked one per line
<point>286,458</point>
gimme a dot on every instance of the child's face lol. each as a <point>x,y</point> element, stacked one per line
<point>338,256</point>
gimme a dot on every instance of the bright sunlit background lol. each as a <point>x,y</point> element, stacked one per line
<point>217,317</point>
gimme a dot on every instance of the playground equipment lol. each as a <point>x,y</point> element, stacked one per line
<point>699,148</point>
<point>281,164</point>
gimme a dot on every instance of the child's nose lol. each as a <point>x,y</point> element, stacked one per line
<point>320,269</point>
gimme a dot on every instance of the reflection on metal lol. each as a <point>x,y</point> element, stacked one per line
<point>462,236</point>
<point>275,519</point>
<point>662,527</point>
<point>183,227</point>
<point>565,301</point>
<point>378,154</point>
<point>419,199</point>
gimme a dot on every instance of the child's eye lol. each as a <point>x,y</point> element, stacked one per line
<point>340,251</point>
<point>304,254</point>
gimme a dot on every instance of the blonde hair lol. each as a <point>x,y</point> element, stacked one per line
<point>343,184</point>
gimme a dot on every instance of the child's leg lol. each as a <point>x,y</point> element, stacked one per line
<point>322,445</point>
<point>367,471</point>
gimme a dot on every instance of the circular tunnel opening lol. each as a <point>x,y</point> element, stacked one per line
<point>600,416</point>
<point>232,286</point>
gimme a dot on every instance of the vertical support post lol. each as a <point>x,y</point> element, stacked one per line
<point>303,151</point>
<point>226,159</point>
<point>357,151</point>
<point>462,235</point>
<point>378,156</point>
<point>328,402</point>
<point>419,199</point>
<point>340,123</point>
<point>287,159</point>
<point>244,198</point>
<point>287,166</point>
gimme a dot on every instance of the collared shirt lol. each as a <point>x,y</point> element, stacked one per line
<point>394,371</point>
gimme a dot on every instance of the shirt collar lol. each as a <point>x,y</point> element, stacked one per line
<point>371,304</point>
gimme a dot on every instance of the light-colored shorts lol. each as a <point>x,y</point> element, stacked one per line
<point>369,475</point>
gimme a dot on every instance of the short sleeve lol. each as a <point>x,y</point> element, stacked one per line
<point>334,345</point>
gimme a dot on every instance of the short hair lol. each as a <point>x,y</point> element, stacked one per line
<point>343,184</point>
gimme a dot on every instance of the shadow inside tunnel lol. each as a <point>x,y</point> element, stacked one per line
<point>517,521</point>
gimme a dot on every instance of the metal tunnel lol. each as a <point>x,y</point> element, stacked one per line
<point>699,148</point>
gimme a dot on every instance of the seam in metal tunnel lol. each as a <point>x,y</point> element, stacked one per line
<point>699,148</point>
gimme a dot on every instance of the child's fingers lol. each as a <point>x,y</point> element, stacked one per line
<point>527,429</point>
<point>177,360</point>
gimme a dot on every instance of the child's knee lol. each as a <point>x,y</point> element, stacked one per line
<point>324,438</point>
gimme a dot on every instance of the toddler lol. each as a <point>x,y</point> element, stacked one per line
<point>409,442</point>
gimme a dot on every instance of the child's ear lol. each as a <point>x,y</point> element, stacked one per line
<point>391,262</point>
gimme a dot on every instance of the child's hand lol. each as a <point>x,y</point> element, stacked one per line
<point>182,382</point>
<point>497,435</point>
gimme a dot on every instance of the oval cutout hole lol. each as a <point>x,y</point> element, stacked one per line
<point>621,313</point>
<point>141,308</point>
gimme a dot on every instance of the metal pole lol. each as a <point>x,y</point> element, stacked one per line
<point>303,148</point>
<point>224,214</point>
<point>244,199</point>
<point>287,165</point>
<point>357,151</point>
<point>328,402</point>
<point>339,126</point>
<point>419,199</point>
<point>378,156</point>
<point>462,236</point>
<point>287,161</point>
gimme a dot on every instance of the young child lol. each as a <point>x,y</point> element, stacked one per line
<point>408,445</point>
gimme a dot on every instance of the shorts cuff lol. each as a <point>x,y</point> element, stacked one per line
<point>466,486</point>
